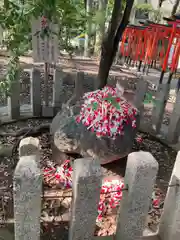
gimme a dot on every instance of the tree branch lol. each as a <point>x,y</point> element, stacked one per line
<point>123,25</point>
<point>175,7</point>
<point>111,41</point>
<point>115,19</point>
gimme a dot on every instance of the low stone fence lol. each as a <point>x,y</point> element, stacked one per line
<point>140,177</point>
<point>39,105</point>
<point>168,133</point>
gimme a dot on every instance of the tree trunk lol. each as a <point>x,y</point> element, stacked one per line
<point>175,7</point>
<point>87,42</point>
<point>157,15</point>
<point>160,3</point>
<point>85,3</point>
<point>101,28</point>
<point>111,40</point>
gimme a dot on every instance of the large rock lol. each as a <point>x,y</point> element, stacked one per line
<point>71,137</point>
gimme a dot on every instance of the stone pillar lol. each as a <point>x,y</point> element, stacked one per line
<point>119,89</point>
<point>57,89</point>
<point>86,192</point>
<point>35,79</point>
<point>169,228</point>
<point>140,93</point>
<point>159,107</point>
<point>140,177</point>
<point>27,190</point>
<point>47,109</point>
<point>174,125</point>
<point>79,81</point>
<point>13,100</point>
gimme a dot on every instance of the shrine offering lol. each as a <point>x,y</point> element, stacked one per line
<point>111,190</point>
<point>102,125</point>
<point>105,113</point>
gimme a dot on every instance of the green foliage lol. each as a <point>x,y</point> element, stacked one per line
<point>156,14</point>
<point>111,5</point>
<point>15,19</point>
<point>98,17</point>
<point>144,7</point>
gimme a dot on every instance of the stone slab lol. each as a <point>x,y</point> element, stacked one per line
<point>47,111</point>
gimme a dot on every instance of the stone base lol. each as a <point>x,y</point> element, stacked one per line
<point>47,111</point>
<point>13,109</point>
<point>6,234</point>
<point>56,109</point>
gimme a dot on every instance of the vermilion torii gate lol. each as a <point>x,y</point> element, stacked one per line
<point>149,44</point>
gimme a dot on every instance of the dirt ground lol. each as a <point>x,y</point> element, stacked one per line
<point>59,229</point>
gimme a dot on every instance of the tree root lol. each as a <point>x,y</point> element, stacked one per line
<point>27,131</point>
<point>153,137</point>
<point>22,133</point>
<point>21,120</point>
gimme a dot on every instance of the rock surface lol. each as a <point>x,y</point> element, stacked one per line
<point>71,137</point>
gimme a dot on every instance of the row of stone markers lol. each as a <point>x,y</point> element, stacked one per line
<point>36,103</point>
<point>37,107</point>
<point>171,133</point>
<point>140,177</point>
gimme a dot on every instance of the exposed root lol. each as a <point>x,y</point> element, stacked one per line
<point>27,131</point>
<point>21,120</point>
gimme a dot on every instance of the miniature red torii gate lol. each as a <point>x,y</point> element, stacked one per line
<point>147,44</point>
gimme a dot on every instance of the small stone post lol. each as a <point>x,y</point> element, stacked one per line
<point>57,90</point>
<point>140,177</point>
<point>169,227</point>
<point>140,94</point>
<point>13,100</point>
<point>86,193</point>
<point>35,79</point>
<point>79,81</point>
<point>27,187</point>
<point>174,125</point>
<point>160,104</point>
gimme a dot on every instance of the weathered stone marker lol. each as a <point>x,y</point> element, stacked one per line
<point>160,104</point>
<point>46,50</point>
<point>86,192</point>
<point>79,80</point>
<point>35,79</point>
<point>27,187</point>
<point>169,228</point>
<point>140,177</point>
<point>57,89</point>
<point>13,100</point>
<point>174,125</point>
<point>140,93</point>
